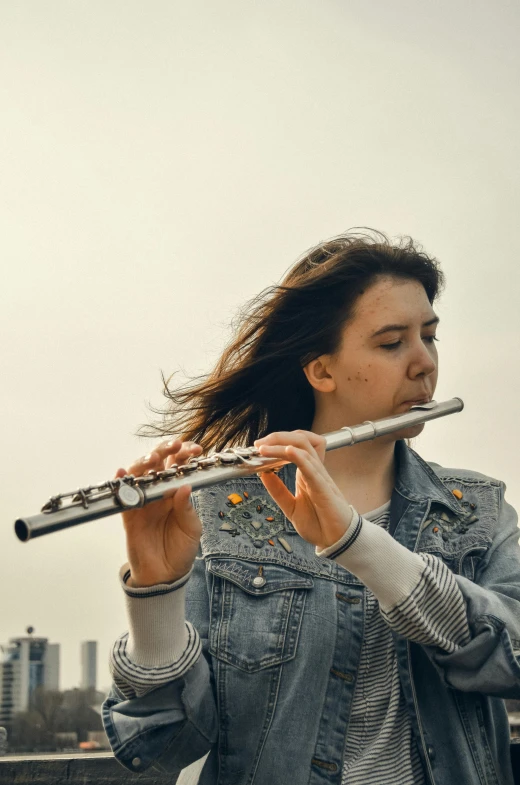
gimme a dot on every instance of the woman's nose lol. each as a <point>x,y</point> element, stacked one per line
<point>423,363</point>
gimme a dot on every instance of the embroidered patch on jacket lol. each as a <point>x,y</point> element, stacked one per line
<point>259,519</point>
<point>445,523</point>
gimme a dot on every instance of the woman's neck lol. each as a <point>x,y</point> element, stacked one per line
<point>364,473</point>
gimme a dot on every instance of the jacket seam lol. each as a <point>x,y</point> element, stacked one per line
<point>469,480</point>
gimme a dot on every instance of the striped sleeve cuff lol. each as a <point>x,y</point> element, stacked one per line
<point>135,680</point>
<point>160,645</point>
<point>370,553</point>
<point>346,541</point>
<point>434,614</point>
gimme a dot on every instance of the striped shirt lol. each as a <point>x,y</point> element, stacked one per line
<point>380,748</point>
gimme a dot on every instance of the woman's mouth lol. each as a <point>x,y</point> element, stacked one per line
<point>416,402</point>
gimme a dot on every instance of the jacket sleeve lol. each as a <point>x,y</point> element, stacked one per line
<point>417,593</point>
<point>171,726</point>
<point>490,662</point>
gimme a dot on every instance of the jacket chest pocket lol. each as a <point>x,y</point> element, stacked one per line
<point>464,560</point>
<point>256,613</point>
<point>469,561</point>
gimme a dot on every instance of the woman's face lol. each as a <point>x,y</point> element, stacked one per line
<point>387,360</point>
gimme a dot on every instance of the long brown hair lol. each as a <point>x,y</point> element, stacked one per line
<point>258,385</point>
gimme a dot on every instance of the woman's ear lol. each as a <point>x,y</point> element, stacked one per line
<point>318,375</point>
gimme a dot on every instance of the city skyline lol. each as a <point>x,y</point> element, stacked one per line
<point>31,661</point>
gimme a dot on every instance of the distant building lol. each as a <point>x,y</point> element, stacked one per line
<point>88,665</point>
<point>26,663</point>
<point>51,676</point>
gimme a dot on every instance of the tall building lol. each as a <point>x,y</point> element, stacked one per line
<point>88,664</point>
<point>51,676</point>
<point>26,663</point>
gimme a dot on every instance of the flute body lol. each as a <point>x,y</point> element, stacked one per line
<point>129,492</point>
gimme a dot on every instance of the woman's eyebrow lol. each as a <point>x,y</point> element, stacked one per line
<point>392,327</point>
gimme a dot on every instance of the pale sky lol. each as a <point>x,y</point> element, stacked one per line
<point>163,162</point>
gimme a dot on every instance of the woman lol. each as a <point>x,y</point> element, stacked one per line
<point>354,618</point>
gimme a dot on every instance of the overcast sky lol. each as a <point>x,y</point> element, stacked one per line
<point>163,162</point>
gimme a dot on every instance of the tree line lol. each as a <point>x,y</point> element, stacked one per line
<point>51,712</point>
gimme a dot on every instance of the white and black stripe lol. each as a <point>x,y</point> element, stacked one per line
<point>154,591</point>
<point>131,677</point>
<point>380,748</point>
<point>435,612</point>
<point>350,537</point>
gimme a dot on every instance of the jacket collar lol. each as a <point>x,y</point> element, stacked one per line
<point>416,480</point>
<point>417,487</point>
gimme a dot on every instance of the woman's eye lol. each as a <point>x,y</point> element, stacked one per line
<point>392,346</point>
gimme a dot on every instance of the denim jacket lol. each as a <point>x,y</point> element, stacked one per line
<point>268,700</point>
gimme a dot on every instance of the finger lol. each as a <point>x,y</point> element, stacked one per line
<point>283,452</point>
<point>175,448</point>
<point>312,442</point>
<point>142,465</point>
<point>180,451</point>
<point>316,477</point>
<point>188,520</point>
<point>287,437</point>
<point>279,492</point>
<point>182,499</point>
<point>183,456</point>
<point>188,450</point>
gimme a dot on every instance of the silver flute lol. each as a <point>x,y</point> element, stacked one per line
<point>129,492</point>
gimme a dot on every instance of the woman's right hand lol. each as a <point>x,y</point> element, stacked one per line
<point>162,538</point>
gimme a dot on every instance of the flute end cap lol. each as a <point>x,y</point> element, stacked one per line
<point>21,530</point>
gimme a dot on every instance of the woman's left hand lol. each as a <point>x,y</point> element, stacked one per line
<point>319,512</point>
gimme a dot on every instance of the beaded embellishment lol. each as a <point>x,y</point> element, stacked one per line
<point>446,523</point>
<point>259,519</point>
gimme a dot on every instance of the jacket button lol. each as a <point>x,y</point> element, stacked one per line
<point>136,762</point>
<point>431,752</point>
<point>259,581</point>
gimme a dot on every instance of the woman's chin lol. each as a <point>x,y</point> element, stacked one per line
<point>409,433</point>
